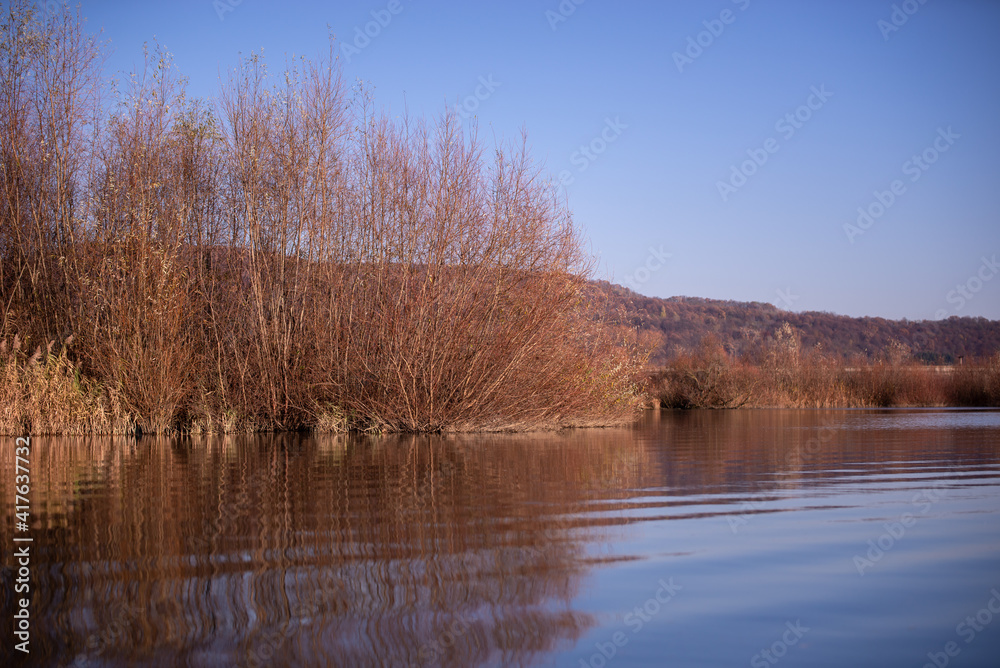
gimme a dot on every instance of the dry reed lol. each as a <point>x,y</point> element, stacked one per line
<point>787,378</point>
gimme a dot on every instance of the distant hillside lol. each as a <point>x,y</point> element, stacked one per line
<point>679,324</point>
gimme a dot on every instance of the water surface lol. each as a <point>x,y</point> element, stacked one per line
<point>702,538</point>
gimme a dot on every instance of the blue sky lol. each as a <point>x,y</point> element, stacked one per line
<point>668,123</point>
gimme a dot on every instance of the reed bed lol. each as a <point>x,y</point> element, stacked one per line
<point>43,392</point>
<point>712,378</point>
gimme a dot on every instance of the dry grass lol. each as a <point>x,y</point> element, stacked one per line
<point>43,393</point>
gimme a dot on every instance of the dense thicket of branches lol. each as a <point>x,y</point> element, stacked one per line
<point>287,256</point>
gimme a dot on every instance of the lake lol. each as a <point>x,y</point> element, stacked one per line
<point>699,538</point>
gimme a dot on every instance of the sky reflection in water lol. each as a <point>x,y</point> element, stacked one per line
<point>697,538</point>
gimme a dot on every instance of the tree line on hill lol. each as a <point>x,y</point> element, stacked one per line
<point>673,326</point>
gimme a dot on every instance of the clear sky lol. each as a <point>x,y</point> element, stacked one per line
<point>719,148</point>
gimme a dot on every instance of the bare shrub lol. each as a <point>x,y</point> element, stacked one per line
<point>50,91</point>
<point>298,259</point>
<point>709,378</point>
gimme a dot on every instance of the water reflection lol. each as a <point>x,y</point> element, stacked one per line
<point>310,551</point>
<point>430,550</point>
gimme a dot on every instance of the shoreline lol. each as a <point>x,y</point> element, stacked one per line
<point>718,381</point>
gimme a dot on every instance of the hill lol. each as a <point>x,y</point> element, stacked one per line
<point>678,324</point>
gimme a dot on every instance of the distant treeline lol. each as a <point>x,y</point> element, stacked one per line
<point>283,257</point>
<point>676,326</point>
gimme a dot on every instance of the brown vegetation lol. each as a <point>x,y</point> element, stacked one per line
<point>786,377</point>
<point>44,392</point>
<point>676,325</point>
<point>293,259</point>
<point>229,538</point>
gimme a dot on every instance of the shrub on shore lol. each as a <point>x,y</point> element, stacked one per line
<point>289,257</point>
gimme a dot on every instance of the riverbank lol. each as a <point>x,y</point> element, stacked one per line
<point>44,391</point>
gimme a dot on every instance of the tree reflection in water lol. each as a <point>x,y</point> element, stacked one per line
<point>320,550</point>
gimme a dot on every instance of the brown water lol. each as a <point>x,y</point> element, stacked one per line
<point>696,538</point>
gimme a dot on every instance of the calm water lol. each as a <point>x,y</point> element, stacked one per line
<point>705,538</point>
